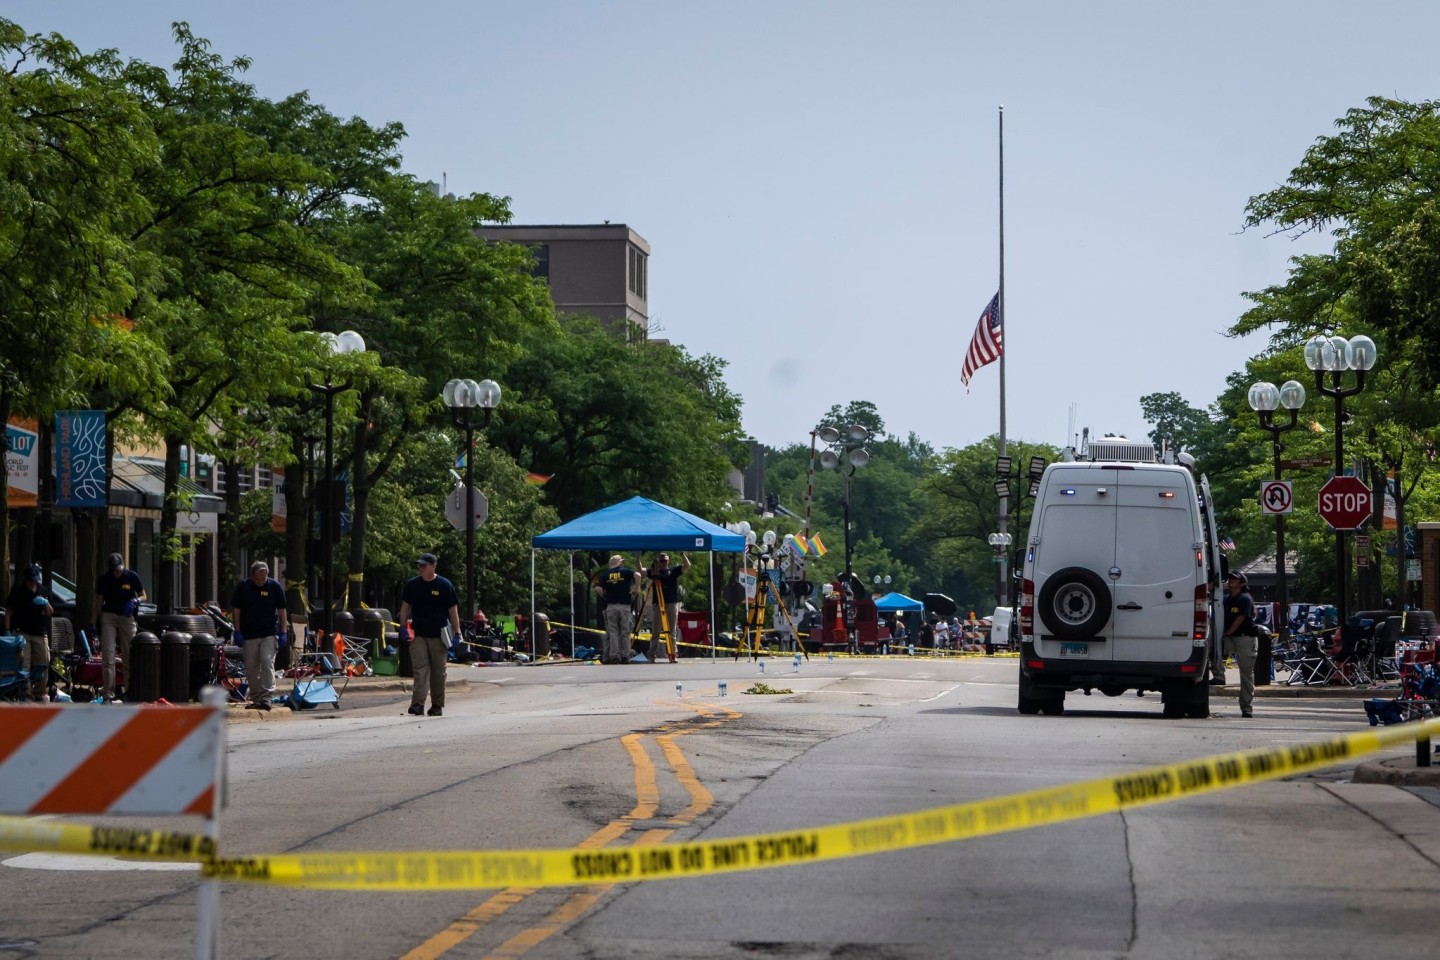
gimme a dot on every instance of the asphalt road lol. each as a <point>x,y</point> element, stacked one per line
<point>590,756</point>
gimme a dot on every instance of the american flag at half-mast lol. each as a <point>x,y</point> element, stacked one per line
<point>987,344</point>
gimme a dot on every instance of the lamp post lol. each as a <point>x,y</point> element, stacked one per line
<point>1265,399</point>
<point>463,397</point>
<point>1335,355</point>
<point>846,449</point>
<point>347,342</point>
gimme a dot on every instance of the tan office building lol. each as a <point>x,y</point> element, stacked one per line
<point>600,270</point>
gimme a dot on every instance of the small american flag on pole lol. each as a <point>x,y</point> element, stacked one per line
<point>987,344</point>
<point>1227,544</point>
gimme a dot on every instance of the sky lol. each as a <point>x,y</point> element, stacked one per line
<point>819,181</point>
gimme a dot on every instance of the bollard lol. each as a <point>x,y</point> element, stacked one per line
<point>762,665</point>
<point>795,664</point>
<point>912,649</point>
<point>678,690</point>
<point>723,691</point>
<point>830,657</point>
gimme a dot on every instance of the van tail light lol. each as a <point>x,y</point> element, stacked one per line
<point>1027,608</point>
<point>1202,611</point>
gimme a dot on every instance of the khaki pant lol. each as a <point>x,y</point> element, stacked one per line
<point>428,657</point>
<point>1243,648</point>
<point>37,660</point>
<point>114,627</point>
<point>617,633</point>
<point>260,668</point>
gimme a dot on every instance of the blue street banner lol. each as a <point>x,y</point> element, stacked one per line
<point>80,473</point>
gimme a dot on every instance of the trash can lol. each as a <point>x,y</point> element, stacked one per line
<point>142,673</point>
<point>344,623</point>
<point>370,624</point>
<point>204,661</point>
<point>1264,646</point>
<point>403,667</point>
<point>540,635</point>
<point>174,666</point>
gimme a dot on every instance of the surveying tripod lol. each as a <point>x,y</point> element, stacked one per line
<point>755,618</point>
<point>653,593</point>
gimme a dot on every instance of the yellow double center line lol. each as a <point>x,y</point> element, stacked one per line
<point>647,805</point>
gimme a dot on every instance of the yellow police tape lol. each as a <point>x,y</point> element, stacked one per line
<point>470,870</point>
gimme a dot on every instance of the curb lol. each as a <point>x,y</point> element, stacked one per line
<point>1397,772</point>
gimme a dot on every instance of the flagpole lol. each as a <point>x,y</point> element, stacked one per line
<point>1004,518</point>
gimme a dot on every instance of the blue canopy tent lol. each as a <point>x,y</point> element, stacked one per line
<point>897,603</point>
<point>635,525</point>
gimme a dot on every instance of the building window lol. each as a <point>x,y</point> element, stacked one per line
<point>637,271</point>
<point>541,270</point>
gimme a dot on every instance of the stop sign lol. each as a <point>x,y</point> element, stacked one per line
<point>1346,503</point>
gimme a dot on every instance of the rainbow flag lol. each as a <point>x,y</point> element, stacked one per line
<point>818,546</point>
<point>802,546</point>
<point>538,479</point>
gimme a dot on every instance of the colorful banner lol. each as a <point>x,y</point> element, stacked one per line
<point>81,479</point>
<point>22,462</point>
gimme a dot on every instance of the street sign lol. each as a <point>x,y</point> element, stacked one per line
<point>1362,549</point>
<point>1346,503</point>
<point>1276,496</point>
<point>1304,462</point>
<point>455,507</point>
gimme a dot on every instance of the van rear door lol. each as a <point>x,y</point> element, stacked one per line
<point>1156,568</point>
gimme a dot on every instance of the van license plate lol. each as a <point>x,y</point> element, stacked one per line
<point>1074,649</point>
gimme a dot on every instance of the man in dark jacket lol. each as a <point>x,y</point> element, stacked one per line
<point>28,610</point>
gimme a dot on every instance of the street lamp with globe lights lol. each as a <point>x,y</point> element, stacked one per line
<point>1335,355</point>
<point>464,397</point>
<point>1265,398</point>
<point>846,449</point>
<point>341,343</point>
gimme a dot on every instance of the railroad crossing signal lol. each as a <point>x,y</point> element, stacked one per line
<point>1276,496</point>
<point>1346,503</point>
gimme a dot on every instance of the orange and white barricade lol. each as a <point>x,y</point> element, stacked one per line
<point>145,760</point>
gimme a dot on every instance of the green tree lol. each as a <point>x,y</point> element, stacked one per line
<point>72,138</point>
<point>607,420</point>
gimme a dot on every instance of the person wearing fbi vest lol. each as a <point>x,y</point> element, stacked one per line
<point>261,619</point>
<point>117,596</point>
<point>429,599</point>
<point>616,584</point>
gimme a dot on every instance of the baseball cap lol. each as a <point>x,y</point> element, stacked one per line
<point>425,558</point>
<point>115,561</point>
<point>1237,575</point>
<point>32,572</point>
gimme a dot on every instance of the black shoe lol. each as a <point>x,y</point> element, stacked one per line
<point>434,711</point>
<point>1247,715</point>
<point>1217,681</point>
<point>417,709</point>
<point>263,705</point>
<point>253,706</point>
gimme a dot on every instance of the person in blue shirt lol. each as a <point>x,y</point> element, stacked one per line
<point>117,596</point>
<point>28,611</point>
<point>429,599</point>
<point>258,611</point>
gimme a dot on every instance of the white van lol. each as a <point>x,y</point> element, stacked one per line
<point>1120,573</point>
<point>1000,622</point>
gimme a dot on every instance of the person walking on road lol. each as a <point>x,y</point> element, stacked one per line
<point>118,595</point>
<point>258,611</point>
<point>28,611</point>
<point>616,584</point>
<point>668,578</point>
<point>429,599</point>
<point>1240,640</point>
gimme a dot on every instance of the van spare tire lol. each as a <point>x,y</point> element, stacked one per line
<point>1074,603</point>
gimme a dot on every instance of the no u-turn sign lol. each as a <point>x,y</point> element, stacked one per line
<point>1276,496</point>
